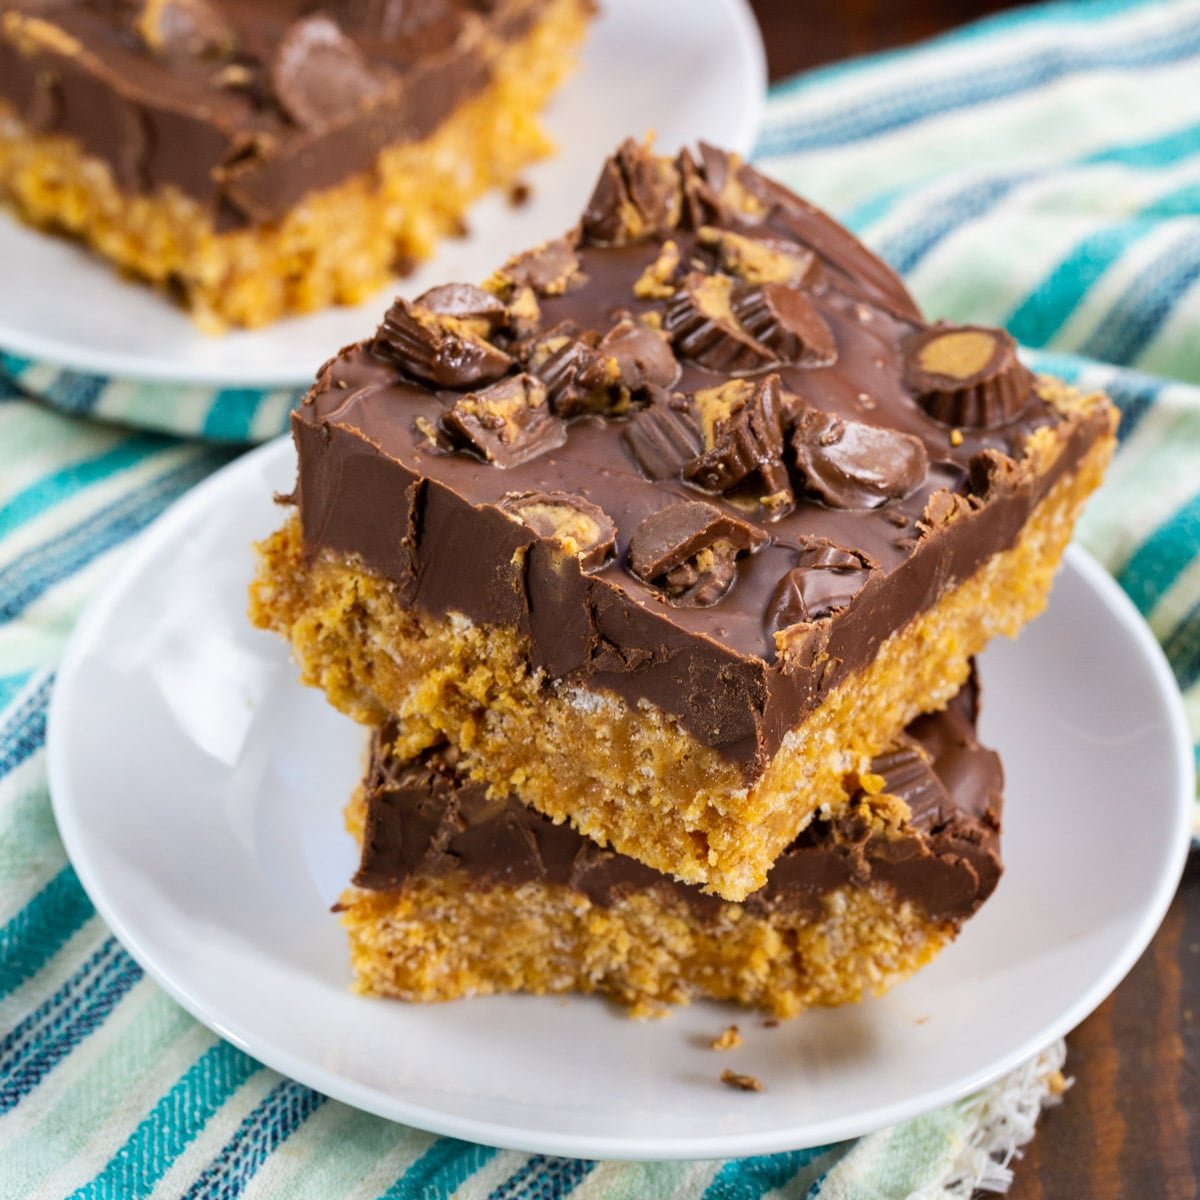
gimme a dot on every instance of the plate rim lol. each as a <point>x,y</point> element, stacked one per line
<point>1181,775</point>
<point>746,47</point>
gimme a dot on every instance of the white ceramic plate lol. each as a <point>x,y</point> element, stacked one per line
<point>687,69</point>
<point>198,789</point>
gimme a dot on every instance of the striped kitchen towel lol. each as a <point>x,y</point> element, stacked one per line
<point>1040,170</point>
<point>109,1090</point>
<point>220,415</point>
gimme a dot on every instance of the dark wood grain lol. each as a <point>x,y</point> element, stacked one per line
<point>1129,1128</point>
<point>1130,1125</point>
<point>805,33</point>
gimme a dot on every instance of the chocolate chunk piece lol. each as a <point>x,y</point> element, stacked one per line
<point>663,436</point>
<point>991,473</point>
<point>445,350</point>
<point>786,321</point>
<point>549,269</point>
<point>184,29</point>
<point>690,551</point>
<point>641,356</point>
<point>703,327</point>
<point>942,507</point>
<point>580,527</point>
<point>701,204</point>
<point>824,580</point>
<point>964,375</point>
<point>507,423</point>
<point>742,426</point>
<point>848,464</point>
<point>320,76</point>
<point>827,556</point>
<point>636,197</point>
<point>465,302</point>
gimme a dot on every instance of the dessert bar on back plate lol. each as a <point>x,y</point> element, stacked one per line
<point>460,894</point>
<point>270,156</point>
<point>675,524</point>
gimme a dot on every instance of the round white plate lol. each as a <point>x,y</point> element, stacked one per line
<point>199,790</point>
<point>686,69</point>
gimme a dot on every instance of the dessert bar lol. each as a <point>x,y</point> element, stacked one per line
<point>677,522</point>
<point>460,894</point>
<point>266,157</point>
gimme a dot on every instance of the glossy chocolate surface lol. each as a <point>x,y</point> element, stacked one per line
<point>642,363</point>
<point>246,105</point>
<point>423,819</point>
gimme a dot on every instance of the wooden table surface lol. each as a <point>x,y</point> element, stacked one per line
<point>1130,1125</point>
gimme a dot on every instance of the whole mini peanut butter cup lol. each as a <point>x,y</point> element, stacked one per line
<point>967,376</point>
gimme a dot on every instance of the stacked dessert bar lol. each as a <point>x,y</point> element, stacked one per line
<point>657,565</point>
<point>264,157</point>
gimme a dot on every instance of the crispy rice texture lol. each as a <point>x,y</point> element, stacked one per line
<point>455,936</point>
<point>630,776</point>
<point>450,937</point>
<point>338,246</point>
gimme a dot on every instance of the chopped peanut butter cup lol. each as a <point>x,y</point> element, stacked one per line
<point>664,437</point>
<point>690,551</point>
<point>636,197</point>
<point>549,269</point>
<point>786,321</point>
<point>443,349</point>
<point>507,423</point>
<point>579,527</point>
<point>742,427</point>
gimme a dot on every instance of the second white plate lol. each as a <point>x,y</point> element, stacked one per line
<point>686,69</point>
<point>198,789</point>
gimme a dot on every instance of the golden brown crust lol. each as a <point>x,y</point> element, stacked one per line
<point>446,938</point>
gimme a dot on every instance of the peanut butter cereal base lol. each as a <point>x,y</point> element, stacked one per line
<point>444,938</point>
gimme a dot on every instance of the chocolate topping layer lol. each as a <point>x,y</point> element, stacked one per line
<point>410,442</point>
<point>246,105</point>
<point>425,819</point>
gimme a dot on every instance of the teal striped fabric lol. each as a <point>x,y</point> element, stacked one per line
<point>1040,170</point>
<point>225,415</point>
